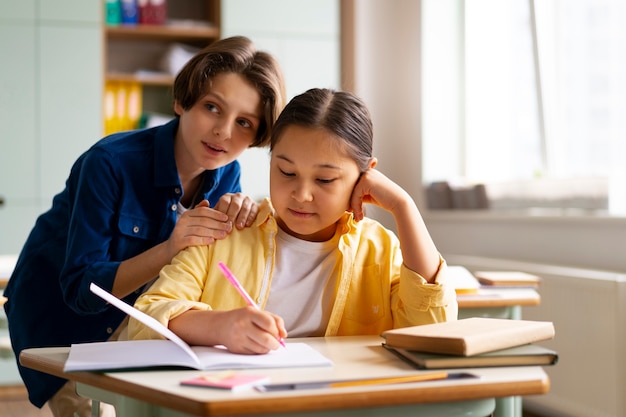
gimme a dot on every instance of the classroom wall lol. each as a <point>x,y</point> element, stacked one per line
<point>50,103</point>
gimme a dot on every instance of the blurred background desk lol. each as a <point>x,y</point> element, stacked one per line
<point>498,302</point>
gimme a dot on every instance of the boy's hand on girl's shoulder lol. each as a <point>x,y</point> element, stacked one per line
<point>198,226</point>
<point>240,209</point>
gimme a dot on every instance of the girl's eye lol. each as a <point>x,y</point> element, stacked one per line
<point>212,107</point>
<point>286,174</point>
<point>244,123</point>
<point>326,181</point>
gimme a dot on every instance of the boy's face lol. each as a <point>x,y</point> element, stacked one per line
<point>311,181</point>
<point>219,126</point>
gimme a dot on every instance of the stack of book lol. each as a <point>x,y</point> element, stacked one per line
<point>473,342</point>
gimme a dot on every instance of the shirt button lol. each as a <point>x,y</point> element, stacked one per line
<point>109,330</point>
<point>177,190</point>
<point>136,229</point>
<point>173,207</point>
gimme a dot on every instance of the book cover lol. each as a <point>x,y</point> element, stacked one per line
<point>227,381</point>
<point>525,355</point>
<point>174,351</point>
<point>470,336</point>
<point>507,278</point>
<point>462,280</point>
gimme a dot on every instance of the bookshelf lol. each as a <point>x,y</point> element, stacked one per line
<point>140,60</point>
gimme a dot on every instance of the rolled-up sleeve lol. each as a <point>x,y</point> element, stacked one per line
<point>419,302</point>
<point>177,290</point>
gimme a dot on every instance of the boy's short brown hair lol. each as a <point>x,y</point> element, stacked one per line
<point>238,55</point>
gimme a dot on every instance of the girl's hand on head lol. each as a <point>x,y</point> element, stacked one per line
<point>373,187</point>
<point>240,209</point>
<point>201,225</point>
<point>250,331</point>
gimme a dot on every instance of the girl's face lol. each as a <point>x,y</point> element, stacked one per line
<point>311,181</point>
<point>219,126</point>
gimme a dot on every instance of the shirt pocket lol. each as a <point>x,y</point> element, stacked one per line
<point>368,298</point>
<point>135,235</point>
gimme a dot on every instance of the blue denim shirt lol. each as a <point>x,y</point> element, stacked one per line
<point>120,199</point>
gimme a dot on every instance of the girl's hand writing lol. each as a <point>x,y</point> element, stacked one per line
<point>244,330</point>
<point>249,330</point>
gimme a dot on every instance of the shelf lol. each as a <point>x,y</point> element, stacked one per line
<point>155,79</point>
<point>144,58</point>
<point>163,33</point>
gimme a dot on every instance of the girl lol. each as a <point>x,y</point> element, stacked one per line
<point>135,199</point>
<point>311,260</point>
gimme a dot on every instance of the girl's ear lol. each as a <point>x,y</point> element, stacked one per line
<point>372,163</point>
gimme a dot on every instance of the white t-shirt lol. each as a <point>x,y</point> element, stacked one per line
<point>303,285</point>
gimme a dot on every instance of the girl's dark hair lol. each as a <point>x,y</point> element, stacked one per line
<point>341,113</point>
<point>236,55</point>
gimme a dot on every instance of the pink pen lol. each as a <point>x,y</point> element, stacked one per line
<point>235,283</point>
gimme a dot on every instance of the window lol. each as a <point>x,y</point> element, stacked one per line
<point>529,98</point>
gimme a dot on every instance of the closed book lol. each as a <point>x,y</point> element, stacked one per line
<point>525,355</point>
<point>471,336</point>
<point>507,278</point>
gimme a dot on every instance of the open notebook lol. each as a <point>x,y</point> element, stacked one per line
<point>175,352</point>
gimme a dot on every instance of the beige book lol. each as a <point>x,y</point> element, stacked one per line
<point>507,278</point>
<point>471,336</point>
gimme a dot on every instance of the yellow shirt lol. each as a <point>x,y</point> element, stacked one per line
<point>374,291</point>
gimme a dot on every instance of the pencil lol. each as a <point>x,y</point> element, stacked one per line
<point>390,380</point>
<point>242,291</point>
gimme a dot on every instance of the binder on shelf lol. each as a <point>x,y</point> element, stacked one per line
<point>130,12</point>
<point>152,12</point>
<point>112,12</point>
<point>122,106</point>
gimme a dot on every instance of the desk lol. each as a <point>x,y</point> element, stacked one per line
<point>158,393</point>
<point>504,303</point>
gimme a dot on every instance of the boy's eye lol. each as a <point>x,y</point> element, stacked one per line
<point>211,107</point>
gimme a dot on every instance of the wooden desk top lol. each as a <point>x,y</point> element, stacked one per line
<point>499,297</point>
<point>354,357</point>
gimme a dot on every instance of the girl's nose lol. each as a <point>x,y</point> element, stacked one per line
<point>302,192</point>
